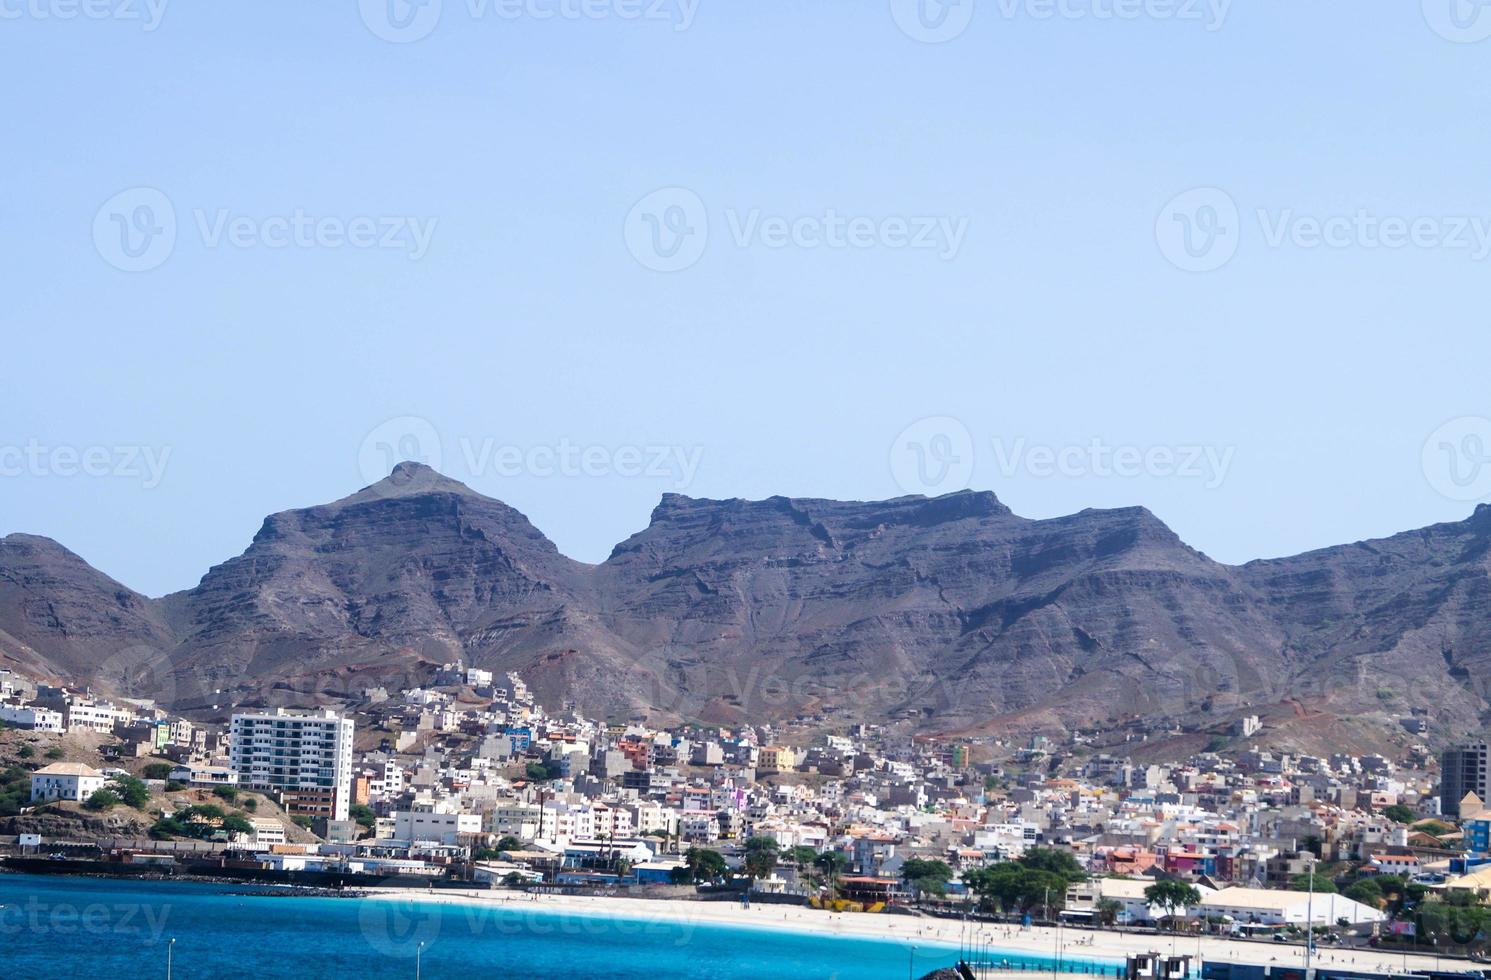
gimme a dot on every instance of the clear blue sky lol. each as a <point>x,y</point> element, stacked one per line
<point>530,321</point>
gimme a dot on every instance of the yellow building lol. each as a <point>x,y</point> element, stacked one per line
<point>776,758</point>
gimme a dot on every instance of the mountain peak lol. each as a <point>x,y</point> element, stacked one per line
<point>410,479</point>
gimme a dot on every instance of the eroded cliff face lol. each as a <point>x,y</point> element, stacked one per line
<point>949,614</point>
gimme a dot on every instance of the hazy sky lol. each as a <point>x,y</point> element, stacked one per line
<point>579,254</point>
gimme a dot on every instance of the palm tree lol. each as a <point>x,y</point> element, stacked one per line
<point>760,857</point>
<point>834,863</point>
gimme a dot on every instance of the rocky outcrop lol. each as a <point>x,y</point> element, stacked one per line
<point>948,614</point>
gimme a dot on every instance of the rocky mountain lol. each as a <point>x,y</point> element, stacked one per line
<point>946,614</point>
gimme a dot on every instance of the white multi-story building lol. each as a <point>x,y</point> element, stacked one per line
<point>518,820</point>
<point>305,756</point>
<point>421,826</point>
<point>36,719</point>
<point>93,716</point>
<point>66,781</point>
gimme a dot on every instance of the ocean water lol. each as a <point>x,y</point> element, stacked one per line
<point>105,929</point>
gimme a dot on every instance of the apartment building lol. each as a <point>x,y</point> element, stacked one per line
<point>305,756</point>
<point>424,824</point>
<point>84,714</point>
<point>1463,770</point>
<point>776,758</point>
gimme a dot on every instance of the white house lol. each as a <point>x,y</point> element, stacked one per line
<point>204,775</point>
<point>66,781</point>
<point>267,832</point>
<point>86,714</point>
<point>34,718</point>
<point>1133,908</point>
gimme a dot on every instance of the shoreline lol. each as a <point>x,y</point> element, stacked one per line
<point>1076,946</point>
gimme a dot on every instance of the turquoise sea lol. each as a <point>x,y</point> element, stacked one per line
<point>105,929</point>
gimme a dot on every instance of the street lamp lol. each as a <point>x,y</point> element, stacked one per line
<point>418,955</point>
<point>169,943</point>
<point>911,965</point>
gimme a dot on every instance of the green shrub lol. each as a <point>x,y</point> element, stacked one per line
<point>102,799</point>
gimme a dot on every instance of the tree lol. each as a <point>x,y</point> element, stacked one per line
<point>1366,891</point>
<point>237,823</point>
<point>55,752</point>
<point>363,814</point>
<point>833,864</point>
<point>157,770</point>
<point>1398,813</point>
<point>1055,861</point>
<point>926,877</point>
<point>760,857</point>
<point>228,793</point>
<point>1108,911</point>
<point>538,772</point>
<point>130,791</point>
<point>509,843</point>
<point>703,865</point>
<point>1013,886</point>
<point>1172,896</point>
<point>102,799</point>
<point>1322,884</point>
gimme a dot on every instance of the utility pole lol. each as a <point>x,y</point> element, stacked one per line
<point>1310,923</point>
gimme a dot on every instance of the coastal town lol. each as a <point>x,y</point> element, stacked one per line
<point>468,782</point>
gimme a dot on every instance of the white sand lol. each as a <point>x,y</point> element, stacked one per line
<point>1080,944</point>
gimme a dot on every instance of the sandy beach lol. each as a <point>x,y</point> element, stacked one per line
<point>1073,943</point>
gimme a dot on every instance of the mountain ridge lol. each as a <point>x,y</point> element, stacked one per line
<point>946,613</point>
